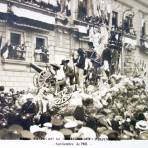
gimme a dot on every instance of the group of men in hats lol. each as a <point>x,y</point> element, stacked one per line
<point>87,65</point>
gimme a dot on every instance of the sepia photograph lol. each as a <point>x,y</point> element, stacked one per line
<point>74,72</point>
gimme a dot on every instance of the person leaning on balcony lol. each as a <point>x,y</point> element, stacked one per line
<point>44,4</point>
<point>45,56</point>
<point>54,5</point>
<point>12,52</point>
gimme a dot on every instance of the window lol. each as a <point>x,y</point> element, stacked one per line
<point>115,19</point>
<point>82,9</point>
<point>40,42</point>
<point>128,24</point>
<point>41,51</point>
<point>130,21</point>
<point>15,39</point>
<point>143,29</point>
<point>16,50</point>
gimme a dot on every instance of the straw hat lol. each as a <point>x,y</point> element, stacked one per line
<point>48,125</point>
<point>11,135</point>
<point>15,127</point>
<point>75,136</point>
<point>40,134</point>
<point>66,132</point>
<point>34,128</point>
<point>27,135</point>
<point>87,133</point>
<point>142,125</point>
<point>143,136</point>
<point>71,124</point>
<point>2,132</point>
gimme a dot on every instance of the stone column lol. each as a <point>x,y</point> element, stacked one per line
<point>74,8</point>
<point>137,24</point>
<point>90,7</point>
<point>146,27</point>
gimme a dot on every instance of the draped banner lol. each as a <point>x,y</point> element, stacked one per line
<point>130,41</point>
<point>21,12</point>
<point>3,8</point>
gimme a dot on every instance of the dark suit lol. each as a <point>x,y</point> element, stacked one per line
<point>69,72</point>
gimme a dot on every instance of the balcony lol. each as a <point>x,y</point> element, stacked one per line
<point>41,55</point>
<point>43,5</point>
<point>144,44</point>
<point>13,54</point>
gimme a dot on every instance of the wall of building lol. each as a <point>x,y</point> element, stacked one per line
<point>142,57</point>
<point>135,56</point>
<point>18,74</point>
<point>61,44</point>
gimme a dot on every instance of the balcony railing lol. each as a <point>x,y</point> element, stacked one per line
<point>41,55</point>
<point>144,44</point>
<point>16,53</point>
<point>44,5</point>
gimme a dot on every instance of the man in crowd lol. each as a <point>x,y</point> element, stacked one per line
<point>59,77</point>
<point>80,65</point>
<point>106,57</point>
<point>69,72</point>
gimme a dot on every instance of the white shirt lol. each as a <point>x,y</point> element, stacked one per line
<point>60,75</point>
<point>88,64</point>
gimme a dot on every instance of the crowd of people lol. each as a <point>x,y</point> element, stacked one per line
<point>104,105</point>
<point>41,54</point>
<point>100,11</point>
<point>114,110</point>
<point>55,6</point>
<point>16,52</point>
<point>83,68</point>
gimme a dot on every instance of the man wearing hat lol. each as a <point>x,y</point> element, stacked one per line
<point>69,72</point>
<point>59,76</point>
<point>106,56</point>
<point>80,65</point>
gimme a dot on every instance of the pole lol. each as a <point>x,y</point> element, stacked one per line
<point>122,34</point>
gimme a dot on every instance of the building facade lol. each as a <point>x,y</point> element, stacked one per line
<point>44,32</point>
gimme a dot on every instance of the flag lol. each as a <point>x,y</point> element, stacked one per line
<point>4,49</point>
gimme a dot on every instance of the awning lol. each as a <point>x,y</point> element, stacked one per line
<point>21,12</point>
<point>29,23</point>
<point>3,8</point>
<point>25,22</point>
